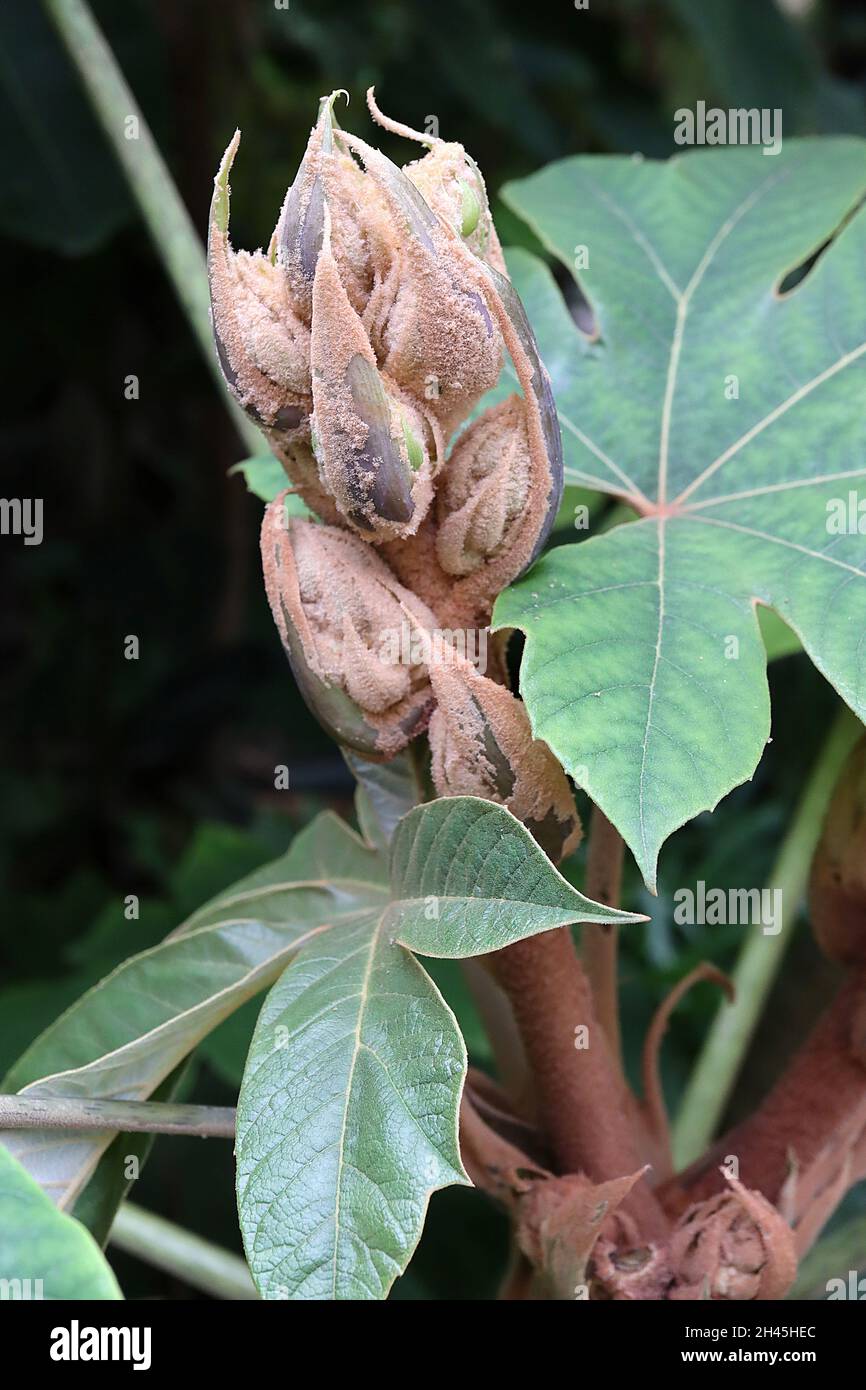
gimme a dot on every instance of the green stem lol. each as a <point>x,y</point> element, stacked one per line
<point>713,1078</point>
<point>166,1246</point>
<point>832,1258</point>
<point>168,221</point>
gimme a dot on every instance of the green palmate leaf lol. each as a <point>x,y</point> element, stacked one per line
<point>727,408</point>
<point>127,1033</point>
<point>44,1253</point>
<point>347,1117</point>
<point>467,878</point>
<point>266,478</point>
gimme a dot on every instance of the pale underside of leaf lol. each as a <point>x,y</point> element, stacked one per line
<point>347,1119</point>
<point>358,1051</point>
<point>127,1033</point>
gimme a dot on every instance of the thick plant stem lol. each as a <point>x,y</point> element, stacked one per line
<point>805,1145</point>
<point>600,942</point>
<point>582,1102</point>
<point>179,1252</point>
<point>125,1116</point>
<point>167,219</point>
<point>713,1078</point>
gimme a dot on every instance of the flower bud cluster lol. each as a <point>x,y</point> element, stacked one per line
<point>362,342</point>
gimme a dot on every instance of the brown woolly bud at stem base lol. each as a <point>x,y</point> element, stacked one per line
<point>734,1246</point>
<point>805,1145</point>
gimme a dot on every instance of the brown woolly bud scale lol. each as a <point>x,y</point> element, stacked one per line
<point>485,489</point>
<point>732,1246</point>
<point>262,345</point>
<point>370,445</point>
<point>427,317</point>
<point>329,177</point>
<point>493,512</point>
<point>450,183</point>
<point>837,888</point>
<point>340,613</point>
<point>482,745</point>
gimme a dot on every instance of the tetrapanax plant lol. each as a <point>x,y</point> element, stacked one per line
<point>365,343</point>
<point>424,518</point>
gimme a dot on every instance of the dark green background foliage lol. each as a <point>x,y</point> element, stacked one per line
<point>155,776</point>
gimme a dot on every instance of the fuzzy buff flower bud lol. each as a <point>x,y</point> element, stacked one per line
<point>466,599</point>
<point>450,182</point>
<point>427,317</point>
<point>329,177</point>
<point>262,345</point>
<point>733,1246</point>
<point>482,745</point>
<point>485,489</point>
<point>337,607</point>
<point>837,889</point>
<point>370,445</point>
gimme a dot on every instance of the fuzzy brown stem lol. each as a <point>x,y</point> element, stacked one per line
<point>807,1142</point>
<point>599,942</point>
<point>581,1099</point>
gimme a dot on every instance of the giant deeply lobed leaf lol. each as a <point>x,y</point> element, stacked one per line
<point>728,409</point>
<point>347,1117</point>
